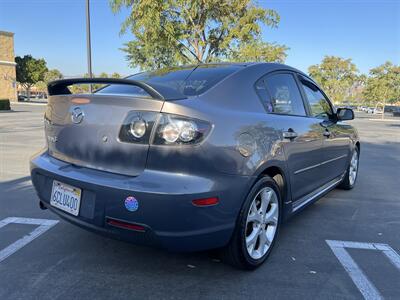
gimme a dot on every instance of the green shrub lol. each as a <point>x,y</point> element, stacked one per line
<point>4,104</point>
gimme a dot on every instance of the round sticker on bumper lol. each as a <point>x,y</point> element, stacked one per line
<point>131,203</point>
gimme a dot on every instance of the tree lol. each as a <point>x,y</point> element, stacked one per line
<point>84,88</point>
<point>336,76</point>
<point>80,88</point>
<point>30,71</point>
<point>115,75</point>
<point>383,84</point>
<point>355,95</point>
<point>103,75</point>
<point>190,31</point>
<point>260,51</point>
<point>50,75</point>
<point>41,86</point>
<point>96,86</point>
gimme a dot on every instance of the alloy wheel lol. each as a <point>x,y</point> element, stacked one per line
<point>262,222</point>
<point>353,168</point>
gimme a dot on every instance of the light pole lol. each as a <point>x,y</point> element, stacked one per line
<point>88,43</point>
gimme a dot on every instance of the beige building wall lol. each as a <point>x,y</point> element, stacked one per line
<point>8,85</point>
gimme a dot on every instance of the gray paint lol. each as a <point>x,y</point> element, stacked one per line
<point>166,178</point>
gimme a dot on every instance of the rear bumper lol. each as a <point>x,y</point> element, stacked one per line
<point>165,203</point>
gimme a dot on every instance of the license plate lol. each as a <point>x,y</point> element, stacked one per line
<point>66,197</point>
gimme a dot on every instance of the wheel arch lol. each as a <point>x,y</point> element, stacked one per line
<point>277,171</point>
<point>358,145</point>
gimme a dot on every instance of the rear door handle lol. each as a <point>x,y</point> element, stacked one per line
<point>290,134</point>
<point>327,133</point>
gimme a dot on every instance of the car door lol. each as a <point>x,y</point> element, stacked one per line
<point>301,136</point>
<point>336,140</point>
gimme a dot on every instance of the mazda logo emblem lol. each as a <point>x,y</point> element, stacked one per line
<point>77,115</point>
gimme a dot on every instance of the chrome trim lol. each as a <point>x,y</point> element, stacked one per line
<point>306,169</point>
<point>333,159</point>
<point>77,115</point>
<point>320,164</point>
<point>289,134</point>
<point>304,202</point>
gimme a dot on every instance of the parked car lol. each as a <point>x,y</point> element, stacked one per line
<point>396,111</point>
<point>377,111</point>
<point>389,108</point>
<point>22,98</point>
<point>194,158</point>
<point>370,110</point>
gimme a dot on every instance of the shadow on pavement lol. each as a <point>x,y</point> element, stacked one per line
<point>18,184</point>
<point>66,256</point>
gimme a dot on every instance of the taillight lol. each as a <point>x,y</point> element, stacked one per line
<point>178,130</point>
<point>170,129</point>
<point>137,127</point>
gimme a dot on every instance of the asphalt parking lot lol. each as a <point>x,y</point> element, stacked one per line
<point>41,259</point>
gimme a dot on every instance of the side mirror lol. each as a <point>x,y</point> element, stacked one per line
<point>344,114</point>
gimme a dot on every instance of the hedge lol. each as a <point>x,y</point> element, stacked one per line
<point>4,104</point>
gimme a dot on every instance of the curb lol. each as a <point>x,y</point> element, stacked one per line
<point>28,103</point>
<point>384,120</point>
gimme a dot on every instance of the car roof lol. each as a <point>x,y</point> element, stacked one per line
<point>249,70</point>
<point>270,66</point>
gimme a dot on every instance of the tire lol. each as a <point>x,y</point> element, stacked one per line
<point>238,252</point>
<point>348,182</point>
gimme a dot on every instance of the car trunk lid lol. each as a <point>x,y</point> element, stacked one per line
<point>84,130</point>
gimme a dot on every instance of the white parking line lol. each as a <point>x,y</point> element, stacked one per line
<point>44,225</point>
<point>366,287</point>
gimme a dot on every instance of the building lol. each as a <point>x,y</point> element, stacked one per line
<point>8,85</point>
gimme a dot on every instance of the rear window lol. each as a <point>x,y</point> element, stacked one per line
<point>189,81</point>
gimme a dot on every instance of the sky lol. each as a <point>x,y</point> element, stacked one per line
<point>367,31</point>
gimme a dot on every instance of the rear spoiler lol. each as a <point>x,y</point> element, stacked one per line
<point>156,91</point>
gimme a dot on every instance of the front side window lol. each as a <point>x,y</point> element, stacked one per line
<point>319,105</point>
<point>284,94</point>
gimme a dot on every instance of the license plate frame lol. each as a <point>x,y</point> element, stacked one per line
<point>66,197</point>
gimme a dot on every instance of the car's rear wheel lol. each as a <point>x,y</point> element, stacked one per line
<point>257,226</point>
<point>350,177</point>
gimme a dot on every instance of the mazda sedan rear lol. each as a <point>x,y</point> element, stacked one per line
<point>194,158</point>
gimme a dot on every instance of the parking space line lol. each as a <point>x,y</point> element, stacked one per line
<point>43,226</point>
<point>365,286</point>
<point>393,257</point>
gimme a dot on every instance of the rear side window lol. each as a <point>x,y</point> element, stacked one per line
<point>285,97</point>
<point>123,89</point>
<point>264,96</point>
<point>189,81</point>
<point>319,105</point>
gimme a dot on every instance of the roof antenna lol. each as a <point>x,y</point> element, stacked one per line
<point>182,44</point>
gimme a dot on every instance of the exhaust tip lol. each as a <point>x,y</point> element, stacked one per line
<point>42,206</point>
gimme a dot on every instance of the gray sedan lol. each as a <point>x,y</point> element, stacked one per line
<point>195,157</point>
